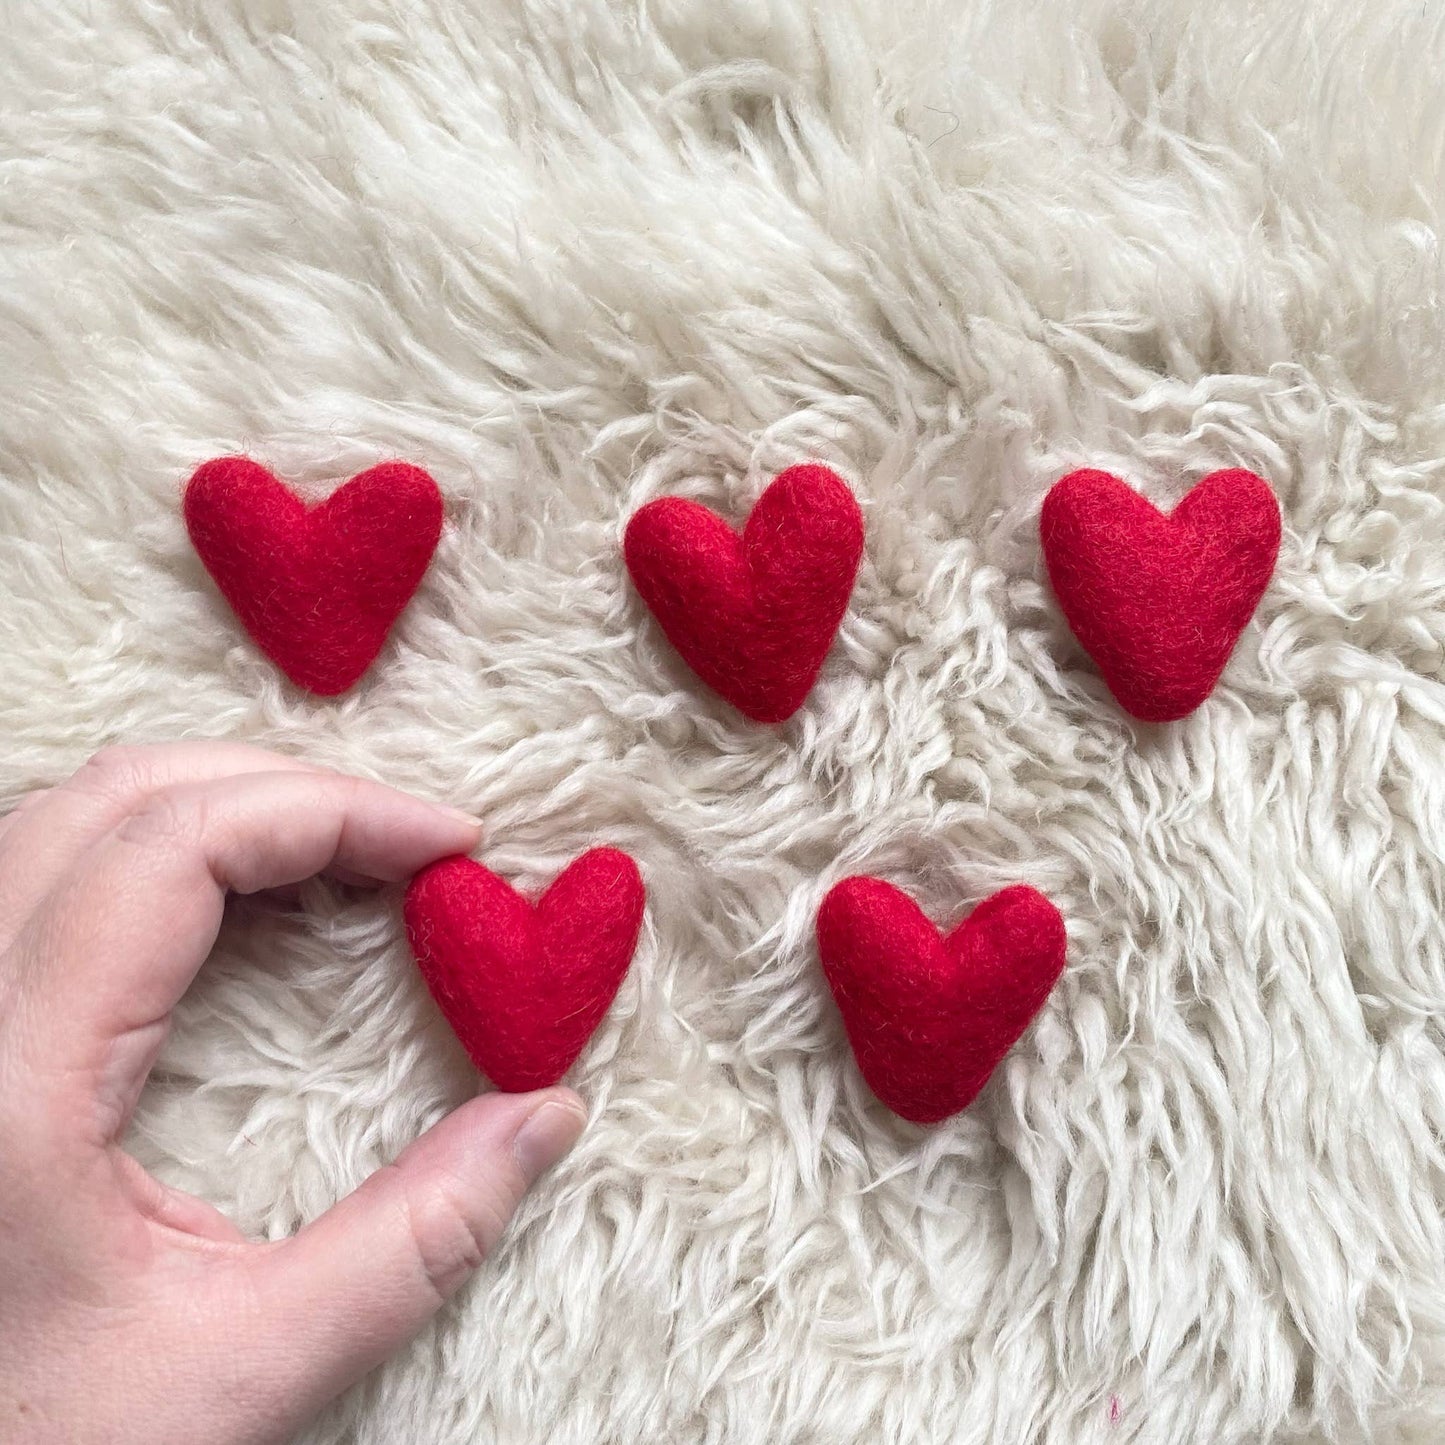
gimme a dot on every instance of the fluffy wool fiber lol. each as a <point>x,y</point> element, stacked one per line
<point>572,255</point>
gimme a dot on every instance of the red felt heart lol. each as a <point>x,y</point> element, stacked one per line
<point>930,1015</point>
<point>524,985</point>
<point>317,587</point>
<point>752,615</point>
<point>1159,600</point>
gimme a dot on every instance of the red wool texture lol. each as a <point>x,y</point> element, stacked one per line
<point>1159,600</point>
<point>317,587</point>
<point>930,1015</point>
<point>754,614</point>
<point>524,985</point>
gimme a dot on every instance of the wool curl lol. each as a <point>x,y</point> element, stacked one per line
<point>570,256</point>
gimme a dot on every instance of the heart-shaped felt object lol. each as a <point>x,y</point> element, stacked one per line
<point>752,615</point>
<point>931,1015</point>
<point>1159,600</point>
<point>524,985</point>
<point>317,587</point>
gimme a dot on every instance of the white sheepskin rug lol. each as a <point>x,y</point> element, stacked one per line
<point>572,255</point>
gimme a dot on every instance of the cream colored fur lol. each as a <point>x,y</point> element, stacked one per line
<point>570,255</point>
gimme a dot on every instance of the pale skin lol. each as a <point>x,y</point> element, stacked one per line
<point>130,1312</point>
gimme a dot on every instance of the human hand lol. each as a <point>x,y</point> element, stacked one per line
<point>129,1311</point>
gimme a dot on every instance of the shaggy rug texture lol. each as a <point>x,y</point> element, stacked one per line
<point>573,255</point>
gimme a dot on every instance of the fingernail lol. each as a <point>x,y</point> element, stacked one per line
<point>459,816</point>
<point>546,1135</point>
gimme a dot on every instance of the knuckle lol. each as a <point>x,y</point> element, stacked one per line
<point>452,1236</point>
<point>117,771</point>
<point>159,820</point>
<point>28,805</point>
<point>349,789</point>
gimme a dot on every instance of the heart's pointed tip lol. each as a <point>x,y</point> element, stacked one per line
<point>325,685</point>
<point>925,1114</point>
<point>1155,710</point>
<point>770,715</point>
<point>523,1081</point>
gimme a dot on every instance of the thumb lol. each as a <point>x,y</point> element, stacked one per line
<point>356,1284</point>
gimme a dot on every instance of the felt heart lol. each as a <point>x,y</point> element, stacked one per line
<point>524,985</point>
<point>931,1015</point>
<point>1159,600</point>
<point>317,587</point>
<point>752,615</point>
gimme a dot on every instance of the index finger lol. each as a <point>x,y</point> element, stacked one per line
<point>42,839</point>
<point>113,946</point>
